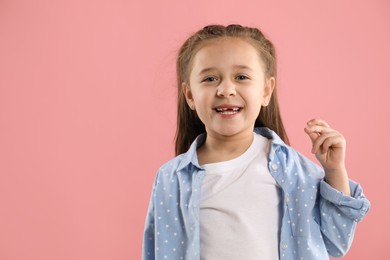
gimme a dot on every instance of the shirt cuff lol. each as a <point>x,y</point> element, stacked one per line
<point>355,206</point>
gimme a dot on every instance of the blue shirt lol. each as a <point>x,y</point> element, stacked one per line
<point>317,220</point>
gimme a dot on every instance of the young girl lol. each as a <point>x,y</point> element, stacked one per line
<point>236,190</point>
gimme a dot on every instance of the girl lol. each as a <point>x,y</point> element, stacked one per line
<point>236,190</point>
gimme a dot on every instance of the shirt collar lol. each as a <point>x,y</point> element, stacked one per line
<point>190,157</point>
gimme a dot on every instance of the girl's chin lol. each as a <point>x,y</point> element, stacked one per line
<point>231,132</point>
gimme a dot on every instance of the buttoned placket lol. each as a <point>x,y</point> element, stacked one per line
<point>275,170</point>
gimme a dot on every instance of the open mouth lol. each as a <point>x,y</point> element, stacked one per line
<point>228,111</point>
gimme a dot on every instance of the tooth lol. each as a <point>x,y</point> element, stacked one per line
<point>224,109</point>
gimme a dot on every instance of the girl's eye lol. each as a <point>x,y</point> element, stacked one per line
<point>210,79</point>
<point>241,77</point>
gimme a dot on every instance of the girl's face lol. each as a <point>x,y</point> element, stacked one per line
<point>227,87</point>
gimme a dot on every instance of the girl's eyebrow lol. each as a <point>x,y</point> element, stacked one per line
<point>242,67</point>
<point>205,70</point>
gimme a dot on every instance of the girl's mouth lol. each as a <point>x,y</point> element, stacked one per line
<point>228,110</point>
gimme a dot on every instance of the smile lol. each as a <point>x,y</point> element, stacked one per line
<point>228,110</point>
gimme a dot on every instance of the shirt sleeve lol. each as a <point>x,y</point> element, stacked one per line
<point>149,230</point>
<point>339,215</point>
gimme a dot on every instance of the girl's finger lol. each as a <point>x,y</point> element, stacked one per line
<point>312,134</point>
<point>334,141</point>
<point>319,129</point>
<point>318,122</point>
<point>316,131</point>
<point>321,139</point>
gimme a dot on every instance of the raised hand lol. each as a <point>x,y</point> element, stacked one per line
<point>329,147</point>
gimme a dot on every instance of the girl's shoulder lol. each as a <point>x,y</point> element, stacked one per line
<point>173,164</point>
<point>182,163</point>
<point>187,160</point>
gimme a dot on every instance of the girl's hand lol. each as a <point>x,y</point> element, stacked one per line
<point>329,146</point>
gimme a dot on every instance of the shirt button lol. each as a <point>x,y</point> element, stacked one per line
<point>287,199</point>
<point>284,246</point>
<point>274,167</point>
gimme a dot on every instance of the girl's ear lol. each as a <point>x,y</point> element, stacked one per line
<point>186,89</point>
<point>268,90</point>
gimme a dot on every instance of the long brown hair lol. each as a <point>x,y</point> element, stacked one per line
<point>189,125</point>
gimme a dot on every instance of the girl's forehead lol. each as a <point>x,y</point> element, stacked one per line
<point>227,51</point>
<point>227,43</point>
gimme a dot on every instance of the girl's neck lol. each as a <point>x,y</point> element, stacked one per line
<point>219,149</point>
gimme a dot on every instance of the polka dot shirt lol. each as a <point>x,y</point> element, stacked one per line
<point>317,221</point>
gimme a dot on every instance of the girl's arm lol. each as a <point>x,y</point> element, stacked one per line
<point>148,241</point>
<point>339,215</point>
<point>149,230</point>
<point>329,146</point>
<point>342,202</point>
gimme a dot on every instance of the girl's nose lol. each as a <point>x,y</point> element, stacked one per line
<point>226,89</point>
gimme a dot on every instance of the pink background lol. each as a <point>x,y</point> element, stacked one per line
<point>87,110</point>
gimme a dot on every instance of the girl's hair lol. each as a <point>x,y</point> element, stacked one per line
<point>189,125</point>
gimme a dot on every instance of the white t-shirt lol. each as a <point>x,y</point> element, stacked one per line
<point>240,207</point>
